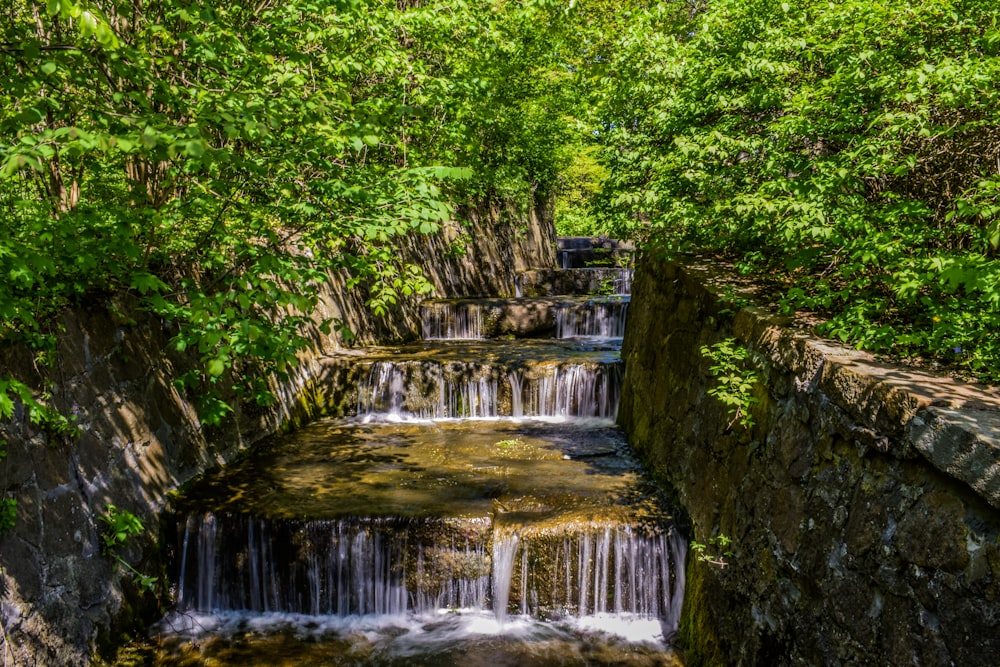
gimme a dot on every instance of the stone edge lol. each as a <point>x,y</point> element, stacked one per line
<point>954,425</point>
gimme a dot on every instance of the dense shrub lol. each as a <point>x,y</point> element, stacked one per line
<point>847,150</point>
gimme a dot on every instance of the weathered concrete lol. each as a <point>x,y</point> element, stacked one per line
<point>863,504</point>
<point>554,282</point>
<point>140,438</point>
<point>577,252</point>
<point>518,317</point>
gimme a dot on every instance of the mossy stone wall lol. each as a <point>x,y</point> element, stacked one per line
<point>864,504</point>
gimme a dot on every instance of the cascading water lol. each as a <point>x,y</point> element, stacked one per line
<point>591,570</point>
<point>339,567</point>
<point>596,318</point>
<point>394,566</point>
<point>472,506</point>
<point>622,282</point>
<point>428,390</point>
<point>451,321</point>
<point>570,390</point>
<point>504,551</point>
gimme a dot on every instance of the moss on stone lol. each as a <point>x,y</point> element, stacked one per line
<point>698,636</point>
<point>139,610</point>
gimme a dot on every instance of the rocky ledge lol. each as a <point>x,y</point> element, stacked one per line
<point>863,504</point>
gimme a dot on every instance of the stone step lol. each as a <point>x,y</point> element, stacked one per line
<point>558,316</point>
<point>470,470</point>
<point>590,281</point>
<point>574,252</point>
<point>453,379</point>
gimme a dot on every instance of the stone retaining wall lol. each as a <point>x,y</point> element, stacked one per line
<point>864,504</point>
<point>60,598</point>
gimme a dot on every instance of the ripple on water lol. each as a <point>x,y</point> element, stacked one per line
<point>457,637</point>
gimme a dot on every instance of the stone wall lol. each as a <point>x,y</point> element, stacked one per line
<point>864,504</point>
<point>60,598</point>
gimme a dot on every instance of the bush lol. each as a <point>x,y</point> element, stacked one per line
<point>847,151</point>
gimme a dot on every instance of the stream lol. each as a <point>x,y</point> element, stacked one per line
<point>479,507</point>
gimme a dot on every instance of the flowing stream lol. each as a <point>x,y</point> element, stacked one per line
<point>478,508</point>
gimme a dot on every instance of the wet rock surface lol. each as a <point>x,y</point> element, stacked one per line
<point>459,469</point>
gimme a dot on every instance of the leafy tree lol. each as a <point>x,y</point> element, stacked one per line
<point>217,162</point>
<point>847,150</point>
<point>579,183</point>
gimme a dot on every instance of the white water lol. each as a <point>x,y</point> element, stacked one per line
<point>592,319</point>
<point>504,550</point>
<point>429,390</point>
<point>570,390</point>
<point>419,390</point>
<point>451,321</point>
<point>413,636</point>
<point>359,567</point>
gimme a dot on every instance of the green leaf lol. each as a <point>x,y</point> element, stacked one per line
<point>146,282</point>
<point>6,404</point>
<point>216,367</point>
<point>195,148</point>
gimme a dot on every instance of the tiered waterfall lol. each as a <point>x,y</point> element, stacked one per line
<point>481,473</point>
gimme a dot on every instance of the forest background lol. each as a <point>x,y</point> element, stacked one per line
<point>216,163</point>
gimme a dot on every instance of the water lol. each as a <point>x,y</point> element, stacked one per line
<point>432,390</point>
<point>478,507</point>
<point>539,317</point>
<point>426,590</point>
<point>442,320</point>
<point>446,639</point>
<point>595,318</point>
<point>607,281</point>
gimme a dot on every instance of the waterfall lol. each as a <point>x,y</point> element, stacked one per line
<point>504,551</point>
<point>511,513</point>
<point>423,390</point>
<point>593,319</point>
<point>610,569</point>
<point>392,566</point>
<point>427,390</point>
<point>442,320</point>
<point>572,390</point>
<point>622,281</point>
<point>343,567</point>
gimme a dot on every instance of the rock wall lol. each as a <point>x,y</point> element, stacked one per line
<point>863,505</point>
<point>61,600</point>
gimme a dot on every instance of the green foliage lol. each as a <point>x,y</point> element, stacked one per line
<point>735,379</point>
<point>119,526</point>
<point>218,162</point>
<point>579,183</point>
<point>13,391</point>
<point>715,552</point>
<point>847,150</point>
